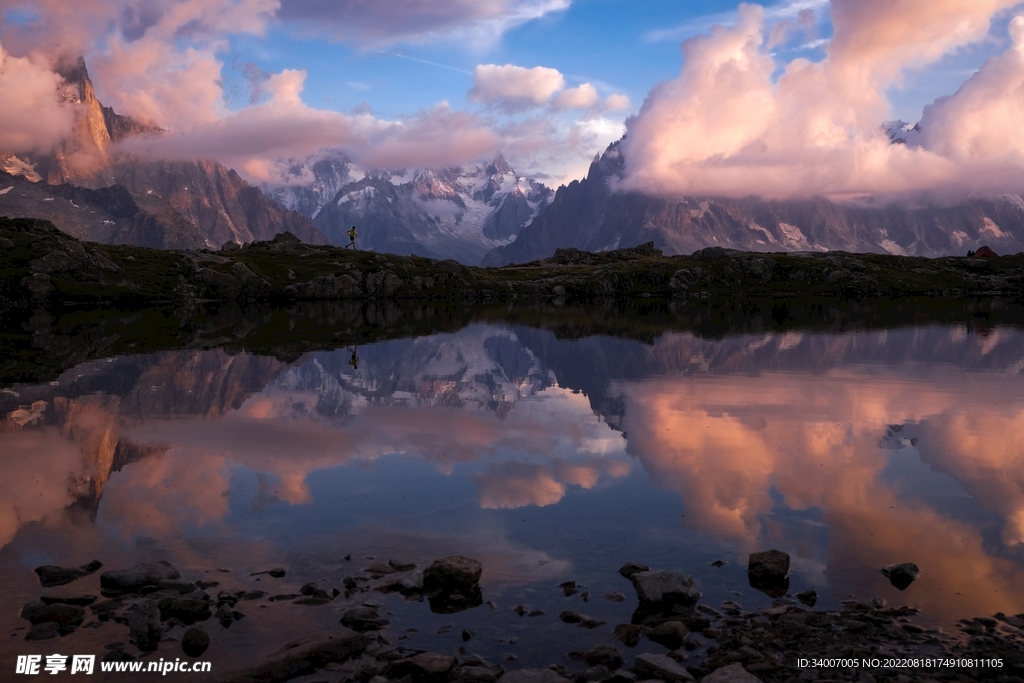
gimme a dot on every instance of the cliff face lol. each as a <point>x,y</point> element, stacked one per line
<point>589,215</point>
<point>176,201</point>
<point>109,215</point>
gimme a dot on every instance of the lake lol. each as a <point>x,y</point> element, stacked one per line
<point>549,450</point>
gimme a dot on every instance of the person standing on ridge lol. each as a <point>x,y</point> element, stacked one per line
<point>352,238</point>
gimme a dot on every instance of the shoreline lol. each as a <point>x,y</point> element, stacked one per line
<point>40,265</point>
<point>684,639</point>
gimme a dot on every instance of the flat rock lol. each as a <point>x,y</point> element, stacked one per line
<point>733,673</point>
<point>629,634</point>
<point>363,619</point>
<point>195,641</point>
<point>133,580</point>
<point>661,666</point>
<point>298,658</point>
<point>276,572</point>
<point>665,587</point>
<point>44,631</point>
<point>670,634</point>
<point>452,572</point>
<point>901,575</point>
<point>80,600</point>
<point>188,610</point>
<point>423,665</point>
<point>533,676</point>
<point>67,617</point>
<point>570,617</point>
<point>600,655</point>
<point>400,566</point>
<point>52,575</point>
<point>627,570</point>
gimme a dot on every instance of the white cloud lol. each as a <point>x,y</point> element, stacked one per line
<point>617,102</point>
<point>514,87</point>
<point>583,96</point>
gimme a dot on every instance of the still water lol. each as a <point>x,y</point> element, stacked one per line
<point>547,459</point>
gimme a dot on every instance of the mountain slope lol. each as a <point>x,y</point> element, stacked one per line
<point>450,213</point>
<point>588,215</point>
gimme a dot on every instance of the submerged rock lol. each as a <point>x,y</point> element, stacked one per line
<point>627,570</point>
<point>664,587</point>
<point>52,575</point>
<point>195,641</point>
<point>603,655</point>
<point>133,580</point>
<point>670,634</point>
<point>660,666</point>
<point>570,617</point>
<point>66,617</point>
<point>452,572</point>
<point>901,575</point>
<point>144,624</point>
<point>363,619</point>
<point>809,597</point>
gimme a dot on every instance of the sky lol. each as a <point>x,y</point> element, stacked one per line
<point>782,99</point>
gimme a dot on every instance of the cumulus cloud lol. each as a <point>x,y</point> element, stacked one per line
<point>583,96</point>
<point>514,87</point>
<point>32,117</point>
<point>366,22</point>
<point>616,102</point>
<point>726,126</point>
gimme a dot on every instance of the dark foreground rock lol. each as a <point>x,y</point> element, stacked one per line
<point>195,641</point>
<point>134,580</point>
<point>51,575</point>
<point>768,572</point>
<point>901,575</point>
<point>299,657</point>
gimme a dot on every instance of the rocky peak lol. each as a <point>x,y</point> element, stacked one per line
<point>499,167</point>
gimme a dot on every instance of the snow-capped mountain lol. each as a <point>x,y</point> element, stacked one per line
<point>450,213</point>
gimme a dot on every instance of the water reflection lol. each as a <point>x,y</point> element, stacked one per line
<point>850,451</point>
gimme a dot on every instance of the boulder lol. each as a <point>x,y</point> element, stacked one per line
<point>195,641</point>
<point>661,666</point>
<point>424,666</point>
<point>188,610</point>
<point>733,673</point>
<point>629,634</point>
<point>901,575</point>
<point>363,619</point>
<point>80,600</point>
<point>768,572</point>
<point>67,617</point>
<point>808,597</point>
<point>661,587</point>
<point>52,575</point>
<point>600,655</point>
<point>133,580</point>
<point>670,634</point>
<point>144,624</point>
<point>298,658</point>
<point>451,573</point>
<point>627,570</point>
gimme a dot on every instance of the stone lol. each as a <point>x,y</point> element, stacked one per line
<point>44,631</point>
<point>50,575</point>
<point>809,597</point>
<point>276,572</point>
<point>299,657</point>
<point>614,597</point>
<point>195,641</point>
<point>452,573</point>
<point>67,617</point>
<point>363,619</point>
<point>425,665</point>
<point>603,655</point>
<point>768,572</point>
<point>629,634</point>
<point>627,570</point>
<point>665,587</point>
<point>225,616</point>
<point>81,600</point>
<point>660,666</point>
<point>533,676</point>
<point>400,566</point>
<point>474,674</point>
<point>144,624</point>
<point>570,617</point>
<point>141,575</point>
<point>901,575</point>
<point>732,673</point>
<point>671,634</point>
<point>593,673</point>
<point>188,610</point>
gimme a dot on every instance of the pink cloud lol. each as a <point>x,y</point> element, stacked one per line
<point>514,87</point>
<point>583,96</point>
<point>726,127</point>
<point>31,117</point>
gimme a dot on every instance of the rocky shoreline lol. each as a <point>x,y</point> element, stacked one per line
<point>40,265</point>
<point>786,642</point>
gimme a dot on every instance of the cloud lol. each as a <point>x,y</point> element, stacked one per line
<point>32,117</point>
<point>516,485</point>
<point>727,127</point>
<point>583,96</point>
<point>616,102</point>
<point>514,87</point>
<point>369,23</point>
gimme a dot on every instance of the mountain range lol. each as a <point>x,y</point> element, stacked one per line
<point>591,216</point>
<point>449,213</point>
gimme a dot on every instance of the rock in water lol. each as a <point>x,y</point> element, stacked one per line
<point>600,655</point>
<point>51,575</point>
<point>670,634</point>
<point>144,624</point>
<point>451,573</point>
<point>195,641</point>
<point>664,587</point>
<point>363,619</point>
<point>768,572</point>
<point>733,673</point>
<point>533,676</point>
<point>66,617</point>
<point>901,575</point>
<point>809,597</point>
<point>661,666</point>
<point>133,580</point>
<point>627,570</point>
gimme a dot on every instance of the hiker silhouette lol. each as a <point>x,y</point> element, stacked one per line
<point>352,237</point>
